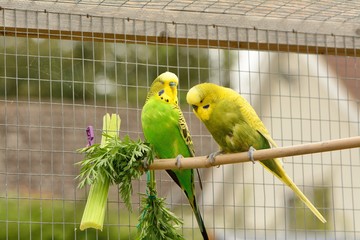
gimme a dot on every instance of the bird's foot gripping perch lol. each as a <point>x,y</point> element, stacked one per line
<point>212,156</point>
<point>251,154</point>
<point>178,160</point>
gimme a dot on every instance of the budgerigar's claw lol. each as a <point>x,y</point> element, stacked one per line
<point>251,154</point>
<point>212,156</point>
<point>178,160</point>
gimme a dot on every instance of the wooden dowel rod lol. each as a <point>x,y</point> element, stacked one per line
<point>263,154</point>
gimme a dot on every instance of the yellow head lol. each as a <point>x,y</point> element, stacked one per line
<point>164,87</point>
<point>203,98</point>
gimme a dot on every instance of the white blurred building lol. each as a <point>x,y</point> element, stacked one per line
<point>301,98</point>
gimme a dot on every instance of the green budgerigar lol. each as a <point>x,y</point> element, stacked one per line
<point>236,127</point>
<point>165,128</point>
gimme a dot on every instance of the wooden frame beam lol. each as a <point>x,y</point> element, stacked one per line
<point>82,22</point>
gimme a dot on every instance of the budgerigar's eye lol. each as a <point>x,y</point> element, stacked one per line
<point>206,106</point>
<point>172,84</point>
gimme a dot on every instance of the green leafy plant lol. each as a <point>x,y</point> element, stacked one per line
<point>156,221</point>
<point>117,162</point>
<point>120,161</point>
<point>114,161</point>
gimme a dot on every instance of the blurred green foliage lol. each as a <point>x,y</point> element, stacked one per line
<point>59,219</point>
<point>96,72</point>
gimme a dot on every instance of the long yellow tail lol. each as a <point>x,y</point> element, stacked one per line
<point>303,198</point>
<point>274,166</point>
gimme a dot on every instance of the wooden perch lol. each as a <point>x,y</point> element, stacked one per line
<point>263,154</point>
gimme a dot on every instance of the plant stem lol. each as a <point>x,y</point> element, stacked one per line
<point>94,212</point>
<point>151,181</point>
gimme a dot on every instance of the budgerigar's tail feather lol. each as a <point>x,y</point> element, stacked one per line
<point>192,201</point>
<point>199,218</point>
<point>304,199</point>
<point>281,174</point>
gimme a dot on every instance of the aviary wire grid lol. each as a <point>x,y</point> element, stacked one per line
<point>64,64</point>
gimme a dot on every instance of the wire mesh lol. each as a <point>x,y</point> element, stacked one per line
<point>334,11</point>
<point>54,83</point>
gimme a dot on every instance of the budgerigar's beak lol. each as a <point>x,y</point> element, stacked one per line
<point>195,107</point>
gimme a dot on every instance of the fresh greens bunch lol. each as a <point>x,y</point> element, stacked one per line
<point>119,161</point>
<point>114,161</point>
<point>156,221</point>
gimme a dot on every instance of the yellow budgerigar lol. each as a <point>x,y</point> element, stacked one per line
<point>236,127</point>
